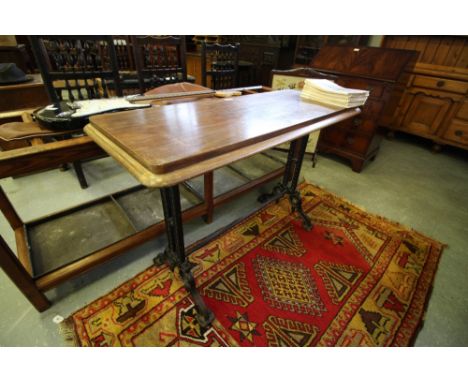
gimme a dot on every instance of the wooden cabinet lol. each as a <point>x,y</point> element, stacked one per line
<point>425,113</point>
<point>434,104</point>
<point>383,72</point>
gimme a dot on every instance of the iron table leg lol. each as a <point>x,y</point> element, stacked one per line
<point>290,178</point>
<point>175,256</point>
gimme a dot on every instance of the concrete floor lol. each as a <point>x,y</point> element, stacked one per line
<point>406,183</point>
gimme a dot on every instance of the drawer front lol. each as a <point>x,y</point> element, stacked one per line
<point>372,109</point>
<point>362,125</point>
<point>440,84</point>
<point>463,111</point>
<point>457,132</point>
<point>356,142</point>
<point>376,90</point>
<point>334,135</point>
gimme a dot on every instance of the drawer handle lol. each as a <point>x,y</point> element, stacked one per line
<point>458,133</point>
<point>440,84</point>
<point>350,140</point>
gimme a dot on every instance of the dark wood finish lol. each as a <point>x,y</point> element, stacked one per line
<point>264,53</point>
<point>435,98</point>
<point>22,279</point>
<point>308,46</point>
<point>77,67</point>
<point>384,73</point>
<point>159,60</point>
<point>27,95</point>
<point>35,158</point>
<point>9,212</point>
<point>363,62</point>
<point>22,248</point>
<point>220,63</point>
<point>188,133</point>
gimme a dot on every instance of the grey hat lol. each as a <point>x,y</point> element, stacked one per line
<point>11,74</point>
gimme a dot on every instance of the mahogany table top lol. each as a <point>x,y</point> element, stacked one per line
<point>167,145</point>
<point>171,137</point>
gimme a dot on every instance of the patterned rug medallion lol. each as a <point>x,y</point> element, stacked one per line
<point>354,280</point>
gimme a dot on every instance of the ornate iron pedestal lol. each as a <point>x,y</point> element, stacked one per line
<point>175,256</point>
<point>290,178</point>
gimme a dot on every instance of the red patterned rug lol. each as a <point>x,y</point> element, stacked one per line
<point>355,279</point>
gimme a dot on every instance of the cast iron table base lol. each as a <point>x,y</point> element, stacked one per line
<point>175,255</point>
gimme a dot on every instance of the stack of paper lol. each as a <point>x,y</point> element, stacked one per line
<point>329,93</point>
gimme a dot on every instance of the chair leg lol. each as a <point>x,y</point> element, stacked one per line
<point>80,174</point>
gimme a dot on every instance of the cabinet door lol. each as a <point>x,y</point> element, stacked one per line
<point>425,114</point>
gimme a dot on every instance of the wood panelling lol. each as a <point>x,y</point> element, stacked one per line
<point>437,50</point>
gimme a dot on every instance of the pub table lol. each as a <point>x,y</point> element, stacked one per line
<point>167,145</point>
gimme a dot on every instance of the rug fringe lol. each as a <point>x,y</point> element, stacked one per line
<point>68,332</point>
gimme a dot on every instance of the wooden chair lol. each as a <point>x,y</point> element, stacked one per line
<point>77,68</point>
<point>294,79</point>
<point>220,63</point>
<point>159,60</point>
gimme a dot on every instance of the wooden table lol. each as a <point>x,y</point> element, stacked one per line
<point>163,147</point>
